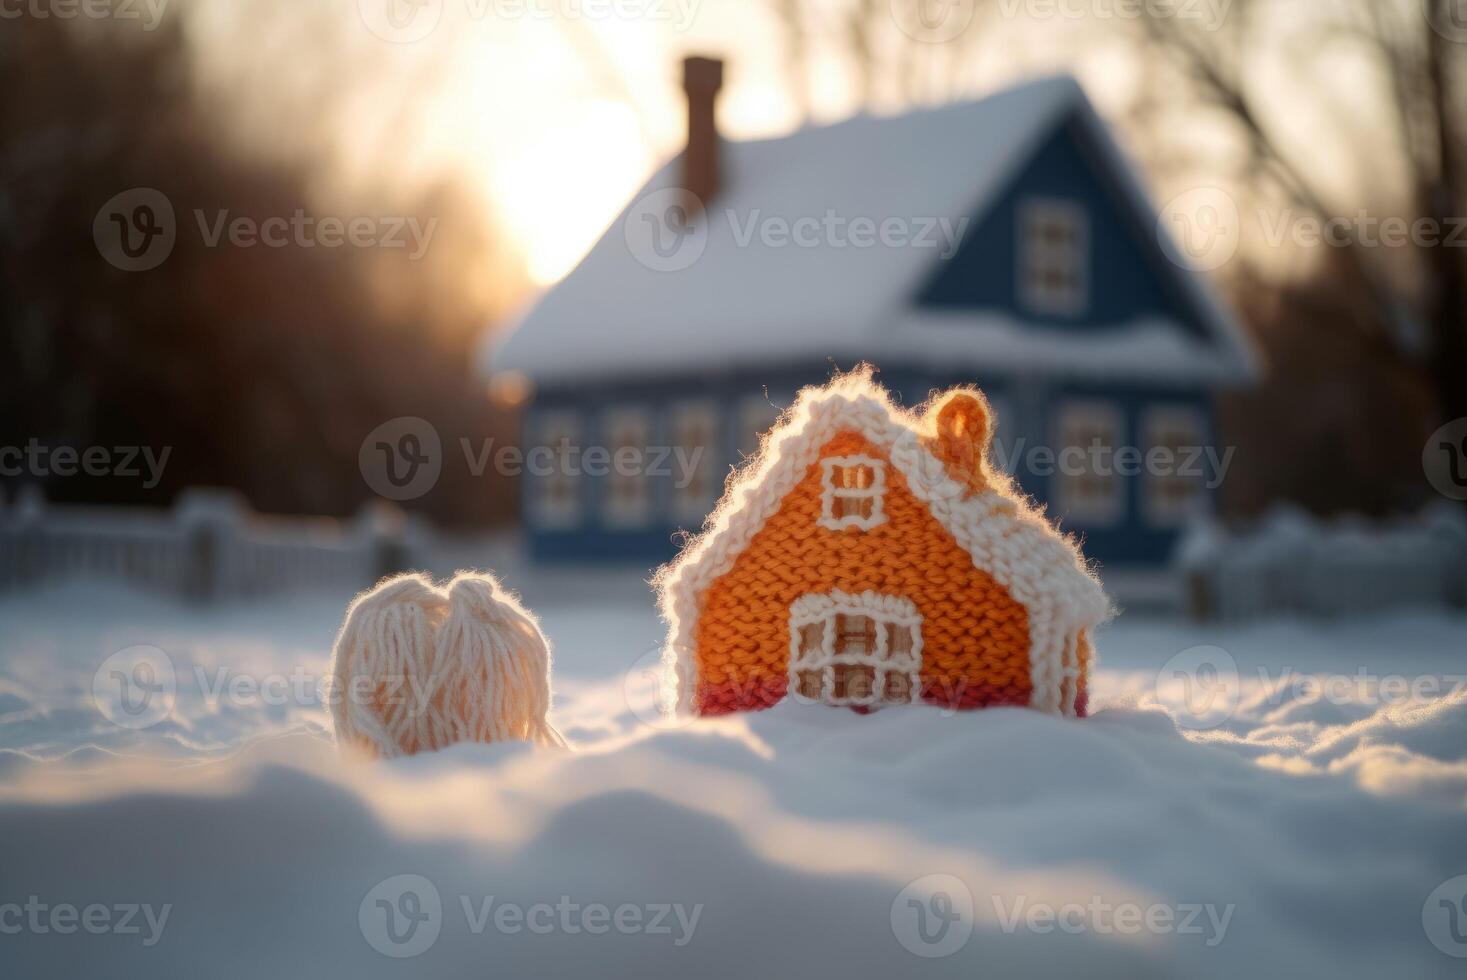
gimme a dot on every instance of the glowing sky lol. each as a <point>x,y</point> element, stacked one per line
<point>556,110</point>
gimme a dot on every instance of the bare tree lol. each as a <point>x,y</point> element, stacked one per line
<point>896,51</point>
<point>1408,303</point>
<point>261,368</point>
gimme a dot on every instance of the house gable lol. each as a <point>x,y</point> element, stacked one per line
<point>751,300</point>
<point>975,636</point>
<point>1125,277</point>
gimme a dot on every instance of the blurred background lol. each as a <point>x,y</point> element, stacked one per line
<point>255,257</point>
<point>298,294</point>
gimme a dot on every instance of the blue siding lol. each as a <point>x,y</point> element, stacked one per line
<point>592,539</point>
<point>1126,277</point>
<point>1132,540</point>
<point>1028,404</point>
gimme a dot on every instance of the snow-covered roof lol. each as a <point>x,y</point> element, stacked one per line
<point>744,303</point>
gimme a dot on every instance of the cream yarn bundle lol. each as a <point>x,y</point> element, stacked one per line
<point>417,668</point>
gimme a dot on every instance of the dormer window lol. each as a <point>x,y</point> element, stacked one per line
<point>853,490</point>
<point>1054,252</point>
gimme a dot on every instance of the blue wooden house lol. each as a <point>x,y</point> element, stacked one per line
<point>1005,242</point>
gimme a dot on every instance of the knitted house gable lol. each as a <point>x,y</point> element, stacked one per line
<point>871,555</point>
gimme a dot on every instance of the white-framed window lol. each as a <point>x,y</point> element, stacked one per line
<point>853,492</point>
<point>855,649</point>
<point>1175,473</point>
<point>1087,489</point>
<point>554,464</point>
<point>1054,256</point>
<point>756,416</point>
<point>695,458</point>
<point>627,503</point>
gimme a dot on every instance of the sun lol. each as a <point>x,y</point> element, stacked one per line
<point>557,192</point>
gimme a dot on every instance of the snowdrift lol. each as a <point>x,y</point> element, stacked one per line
<point>1300,836</point>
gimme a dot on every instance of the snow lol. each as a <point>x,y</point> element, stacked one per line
<point>1296,823</point>
<point>1289,560</point>
<point>748,288</point>
<point>1147,348</point>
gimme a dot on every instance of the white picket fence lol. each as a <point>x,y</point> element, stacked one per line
<point>1291,563</point>
<point>209,546</point>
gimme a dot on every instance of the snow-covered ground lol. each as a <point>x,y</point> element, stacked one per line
<point>1283,799</point>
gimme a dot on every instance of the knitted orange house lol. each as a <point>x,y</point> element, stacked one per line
<point>872,556</point>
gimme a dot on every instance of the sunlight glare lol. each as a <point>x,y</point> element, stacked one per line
<point>559,191</point>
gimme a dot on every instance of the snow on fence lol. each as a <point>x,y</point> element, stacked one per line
<point>1291,563</point>
<point>209,546</point>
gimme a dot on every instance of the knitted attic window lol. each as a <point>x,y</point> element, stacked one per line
<point>853,490</point>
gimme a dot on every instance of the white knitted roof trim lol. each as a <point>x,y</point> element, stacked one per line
<point>1041,569</point>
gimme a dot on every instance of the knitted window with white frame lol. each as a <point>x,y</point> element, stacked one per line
<point>854,492</point>
<point>855,650</point>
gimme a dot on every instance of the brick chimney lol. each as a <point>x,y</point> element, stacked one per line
<point>702,78</point>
